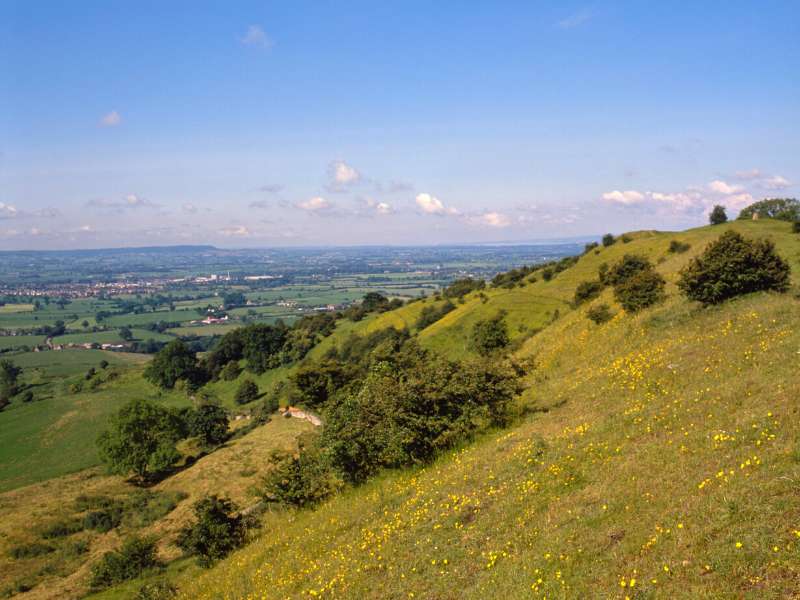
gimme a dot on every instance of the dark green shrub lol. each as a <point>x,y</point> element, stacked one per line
<point>718,216</point>
<point>216,531</point>
<point>678,247</point>
<point>589,247</point>
<point>547,274</point>
<point>629,265</point>
<point>602,274</point>
<point>62,529</point>
<point>136,556</point>
<point>461,287</point>
<point>490,335</point>
<point>230,371</point>
<point>209,423</point>
<point>104,520</point>
<point>796,227</point>
<point>143,507</point>
<point>642,289</point>
<point>247,392</point>
<point>157,590</point>
<point>733,265</point>
<point>599,314</point>
<point>431,314</point>
<point>608,240</point>
<point>30,550</point>
<point>587,290</point>
<point>302,480</point>
<point>27,396</point>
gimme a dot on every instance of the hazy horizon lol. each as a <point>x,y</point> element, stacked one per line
<point>271,126</point>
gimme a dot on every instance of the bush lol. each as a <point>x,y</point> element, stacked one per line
<point>677,247</point>
<point>431,314</point>
<point>247,392</point>
<point>547,274</point>
<point>490,335</point>
<point>209,423</point>
<point>135,557</point>
<point>461,287</point>
<point>599,314</point>
<point>105,519</point>
<point>303,480</point>
<point>62,529</point>
<point>718,216</point>
<point>733,265</point>
<point>28,396</point>
<point>589,247</point>
<point>157,590</point>
<point>627,267</point>
<point>230,371</point>
<point>216,532</point>
<point>641,290</point>
<point>608,240</point>
<point>796,227</point>
<point>587,290</point>
<point>30,550</point>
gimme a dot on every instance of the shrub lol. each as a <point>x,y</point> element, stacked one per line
<point>303,480</point>
<point>677,247</point>
<point>157,590</point>
<point>247,392</point>
<point>547,274</point>
<point>105,519</point>
<point>608,240</point>
<point>135,557</point>
<point>230,371</point>
<point>216,532</point>
<point>30,550</point>
<point>641,290</point>
<point>431,314</point>
<point>461,287</point>
<point>28,396</point>
<point>490,335</point>
<point>717,216</point>
<point>627,267</point>
<point>209,423</point>
<point>587,290</point>
<point>62,529</point>
<point>733,265</point>
<point>599,314</point>
<point>589,247</point>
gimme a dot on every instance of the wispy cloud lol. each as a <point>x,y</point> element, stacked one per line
<point>131,201</point>
<point>111,119</point>
<point>575,19</point>
<point>235,231</point>
<point>256,37</point>
<point>491,219</point>
<point>10,211</point>
<point>342,176</point>
<point>270,188</point>
<point>431,205</point>
<point>314,205</point>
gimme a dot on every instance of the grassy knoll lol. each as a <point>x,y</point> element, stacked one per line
<point>657,457</point>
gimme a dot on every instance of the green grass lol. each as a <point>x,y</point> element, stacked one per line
<point>15,308</point>
<point>658,451</point>
<point>17,341</point>
<point>110,337</point>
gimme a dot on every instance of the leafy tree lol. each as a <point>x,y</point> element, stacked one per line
<point>490,335</point>
<point>301,480</point>
<point>125,333</point>
<point>796,227</point>
<point>461,287</point>
<point>9,379</point>
<point>174,362</point>
<point>247,392</point>
<point>230,371</point>
<point>641,290</point>
<point>136,556</point>
<point>141,439</point>
<point>717,216</point>
<point>629,265</point>
<point>431,314</point>
<point>262,345</point>
<point>216,531</point>
<point>209,422</point>
<point>85,324</point>
<point>785,209</point>
<point>374,301</point>
<point>608,240</point>
<point>734,265</point>
<point>318,381</point>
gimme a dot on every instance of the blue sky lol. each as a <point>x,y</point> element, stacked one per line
<point>261,124</point>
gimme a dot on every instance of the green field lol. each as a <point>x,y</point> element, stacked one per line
<point>110,337</point>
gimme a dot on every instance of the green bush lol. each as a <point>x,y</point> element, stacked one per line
<point>216,531</point>
<point>796,227</point>
<point>587,290</point>
<point>209,423</point>
<point>627,267</point>
<point>30,550</point>
<point>461,287</point>
<point>157,590</point>
<point>302,480</point>
<point>733,265</point>
<point>678,247</point>
<point>431,314</point>
<point>105,519</point>
<point>62,529</point>
<point>136,556</point>
<point>490,335</point>
<point>608,240</point>
<point>230,371</point>
<point>599,314</point>
<point>547,274</point>
<point>642,289</point>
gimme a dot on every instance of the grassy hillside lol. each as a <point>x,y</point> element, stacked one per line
<point>657,458</point>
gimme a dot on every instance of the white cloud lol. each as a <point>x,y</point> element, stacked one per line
<point>344,174</point>
<point>111,119</point>
<point>431,205</point>
<point>492,219</point>
<point>574,20</point>
<point>8,211</point>
<point>776,182</point>
<point>315,204</point>
<point>720,187</point>
<point>383,208</point>
<point>256,37</point>
<point>626,197</point>
<point>235,231</point>
<point>748,175</point>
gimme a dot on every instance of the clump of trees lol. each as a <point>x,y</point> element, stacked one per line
<point>718,216</point>
<point>490,335</point>
<point>734,265</point>
<point>137,556</point>
<point>636,283</point>
<point>9,381</point>
<point>173,363</point>
<point>246,392</point>
<point>461,287</point>
<point>216,531</point>
<point>431,314</point>
<point>784,209</point>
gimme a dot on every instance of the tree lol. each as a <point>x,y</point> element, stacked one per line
<point>629,265</point>
<point>641,290</point>
<point>734,265</point>
<point>85,324</point>
<point>374,301</point>
<point>608,239</point>
<point>216,531</point>
<point>490,335</point>
<point>230,371</point>
<point>717,216</point>
<point>209,423</point>
<point>587,290</point>
<point>233,299</point>
<point>136,556</point>
<point>9,379</point>
<point>247,392</point>
<point>174,362</point>
<point>785,209</point>
<point>141,439</point>
<point>125,333</point>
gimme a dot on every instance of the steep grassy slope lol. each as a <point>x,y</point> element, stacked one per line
<point>658,458</point>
